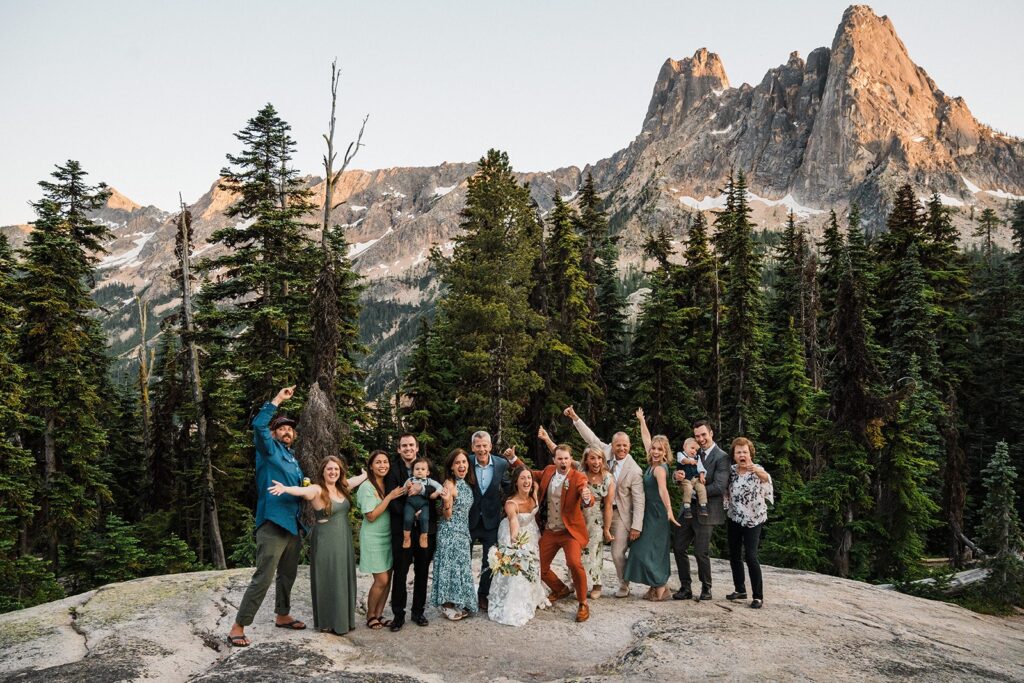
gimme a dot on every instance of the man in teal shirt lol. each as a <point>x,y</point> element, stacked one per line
<point>277,520</point>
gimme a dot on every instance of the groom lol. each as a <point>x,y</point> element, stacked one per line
<point>564,493</point>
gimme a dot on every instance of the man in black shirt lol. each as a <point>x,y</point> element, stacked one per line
<point>416,557</point>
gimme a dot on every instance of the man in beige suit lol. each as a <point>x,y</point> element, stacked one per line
<point>628,512</point>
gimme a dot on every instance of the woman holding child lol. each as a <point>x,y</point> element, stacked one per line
<point>375,537</point>
<point>648,560</point>
<point>749,492</point>
<point>332,562</point>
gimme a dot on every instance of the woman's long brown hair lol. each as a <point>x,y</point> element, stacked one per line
<point>341,485</point>
<point>372,476</point>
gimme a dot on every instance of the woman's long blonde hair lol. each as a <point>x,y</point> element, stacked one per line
<point>600,456</point>
<point>663,440</point>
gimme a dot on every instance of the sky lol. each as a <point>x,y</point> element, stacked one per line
<point>147,95</point>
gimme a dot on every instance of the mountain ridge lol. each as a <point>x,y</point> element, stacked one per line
<point>850,123</point>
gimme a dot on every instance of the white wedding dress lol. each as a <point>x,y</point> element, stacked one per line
<point>514,600</point>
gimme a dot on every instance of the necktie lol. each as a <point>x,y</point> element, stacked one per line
<point>702,454</point>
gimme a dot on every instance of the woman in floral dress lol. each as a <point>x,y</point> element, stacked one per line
<point>453,588</point>
<point>598,516</point>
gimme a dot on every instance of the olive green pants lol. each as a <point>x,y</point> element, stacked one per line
<point>276,550</point>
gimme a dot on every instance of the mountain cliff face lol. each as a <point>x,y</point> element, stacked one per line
<point>850,123</point>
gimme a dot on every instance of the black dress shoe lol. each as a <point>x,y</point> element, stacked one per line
<point>420,620</point>
<point>683,594</point>
<point>738,595</point>
<point>705,594</point>
<point>755,603</point>
<point>397,623</point>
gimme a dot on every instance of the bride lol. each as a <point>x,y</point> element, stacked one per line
<point>516,589</point>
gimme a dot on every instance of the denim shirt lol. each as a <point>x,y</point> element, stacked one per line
<point>275,462</point>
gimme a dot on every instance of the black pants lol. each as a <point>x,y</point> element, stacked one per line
<point>692,531</point>
<point>414,504</point>
<point>487,538</point>
<point>743,539</point>
<point>419,560</point>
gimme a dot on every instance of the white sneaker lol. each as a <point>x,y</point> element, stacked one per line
<point>623,591</point>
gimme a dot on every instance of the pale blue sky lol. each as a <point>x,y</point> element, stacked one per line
<point>147,94</point>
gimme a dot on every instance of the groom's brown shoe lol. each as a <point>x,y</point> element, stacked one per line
<point>583,613</point>
<point>559,594</point>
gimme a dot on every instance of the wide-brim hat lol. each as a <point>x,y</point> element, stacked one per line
<point>283,421</point>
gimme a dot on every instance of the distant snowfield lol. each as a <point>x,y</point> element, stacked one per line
<point>711,203</point>
<point>358,248</point>
<point>127,258</point>
<point>442,191</point>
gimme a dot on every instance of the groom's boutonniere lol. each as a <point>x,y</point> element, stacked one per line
<point>565,483</point>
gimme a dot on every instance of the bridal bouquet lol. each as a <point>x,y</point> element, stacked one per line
<point>516,558</point>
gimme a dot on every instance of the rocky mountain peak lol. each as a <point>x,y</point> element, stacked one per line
<point>680,86</point>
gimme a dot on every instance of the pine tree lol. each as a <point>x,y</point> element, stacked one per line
<point>431,414</point>
<point>793,538</point>
<point>1001,530</point>
<point>62,351</point>
<point>831,249</point>
<point>24,578</point>
<point>489,323</point>
<point>661,378</point>
<point>599,261</point>
<point>988,223</point>
<point>743,333</point>
<point>264,277</point>
<point>569,368</point>
<point>699,317</point>
<point>843,488</point>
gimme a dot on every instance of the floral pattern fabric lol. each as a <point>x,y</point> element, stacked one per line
<point>748,497</point>
<point>593,554</point>
<point>453,569</point>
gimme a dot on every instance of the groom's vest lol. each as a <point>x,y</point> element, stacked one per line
<point>554,507</point>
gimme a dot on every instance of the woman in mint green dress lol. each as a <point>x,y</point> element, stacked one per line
<point>453,589</point>
<point>375,536</point>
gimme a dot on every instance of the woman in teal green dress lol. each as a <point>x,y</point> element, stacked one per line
<point>648,561</point>
<point>453,589</point>
<point>332,562</point>
<point>375,536</point>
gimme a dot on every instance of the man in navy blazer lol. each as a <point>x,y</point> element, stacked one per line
<point>486,513</point>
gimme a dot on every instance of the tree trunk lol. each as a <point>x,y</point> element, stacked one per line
<point>49,471</point>
<point>217,556</point>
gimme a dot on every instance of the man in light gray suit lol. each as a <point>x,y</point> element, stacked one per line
<point>628,506</point>
<point>697,529</point>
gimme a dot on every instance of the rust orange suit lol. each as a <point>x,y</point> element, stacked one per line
<point>573,539</point>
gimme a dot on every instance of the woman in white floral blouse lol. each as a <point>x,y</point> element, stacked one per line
<point>750,491</point>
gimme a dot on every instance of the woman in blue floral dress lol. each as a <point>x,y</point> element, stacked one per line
<point>453,588</point>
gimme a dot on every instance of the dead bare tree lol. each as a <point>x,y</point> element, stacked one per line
<point>321,430</point>
<point>146,357</point>
<point>183,248</point>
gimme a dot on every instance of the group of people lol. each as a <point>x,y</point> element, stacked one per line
<point>521,517</point>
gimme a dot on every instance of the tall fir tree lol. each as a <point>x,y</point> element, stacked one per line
<point>63,352</point>
<point>490,326</point>
<point>658,362</point>
<point>743,333</point>
<point>1002,533</point>
<point>699,317</point>
<point>431,414</point>
<point>600,256</point>
<point>843,488</point>
<point>262,283</point>
<point>988,223</point>
<point>25,579</point>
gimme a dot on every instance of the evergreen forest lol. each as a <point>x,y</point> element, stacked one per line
<point>881,376</point>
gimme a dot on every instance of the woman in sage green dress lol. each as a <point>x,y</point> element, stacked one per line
<point>648,561</point>
<point>598,516</point>
<point>453,589</point>
<point>375,536</point>
<point>332,562</point>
